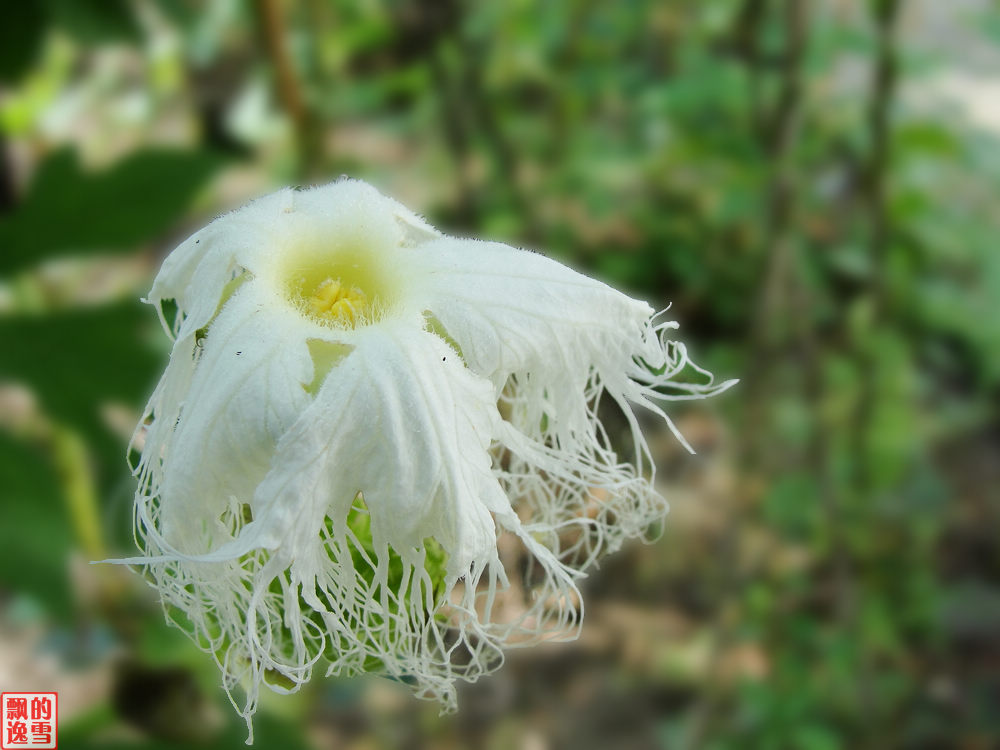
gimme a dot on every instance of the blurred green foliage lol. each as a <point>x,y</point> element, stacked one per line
<point>33,506</point>
<point>796,178</point>
<point>65,210</point>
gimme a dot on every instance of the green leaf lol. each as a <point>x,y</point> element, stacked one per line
<point>21,35</point>
<point>77,359</point>
<point>815,737</point>
<point>37,537</point>
<point>926,138</point>
<point>184,13</point>
<point>94,21</point>
<point>88,21</point>
<point>269,731</point>
<point>792,506</point>
<point>69,211</point>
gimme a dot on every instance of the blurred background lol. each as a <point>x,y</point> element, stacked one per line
<point>812,185</point>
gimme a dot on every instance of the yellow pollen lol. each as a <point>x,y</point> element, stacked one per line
<point>335,302</point>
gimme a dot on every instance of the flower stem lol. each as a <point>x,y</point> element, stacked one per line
<point>69,453</point>
<point>308,142</point>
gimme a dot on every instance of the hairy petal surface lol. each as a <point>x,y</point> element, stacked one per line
<point>247,390</point>
<point>512,310</point>
<point>555,343</point>
<point>411,430</point>
<point>385,450</point>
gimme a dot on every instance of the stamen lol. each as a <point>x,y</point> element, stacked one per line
<point>335,302</point>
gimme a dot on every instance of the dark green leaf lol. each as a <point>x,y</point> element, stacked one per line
<point>95,21</point>
<point>185,13</point>
<point>21,35</point>
<point>269,731</point>
<point>68,211</point>
<point>77,359</point>
<point>36,537</point>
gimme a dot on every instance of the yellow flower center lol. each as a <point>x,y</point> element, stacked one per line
<point>337,302</point>
<point>343,288</point>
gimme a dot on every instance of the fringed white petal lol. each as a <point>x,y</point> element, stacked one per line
<point>246,391</point>
<point>264,233</point>
<point>403,421</point>
<point>554,343</point>
<point>513,310</point>
<point>314,487</point>
<point>403,425</point>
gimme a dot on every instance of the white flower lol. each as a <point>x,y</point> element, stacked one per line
<point>355,410</point>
